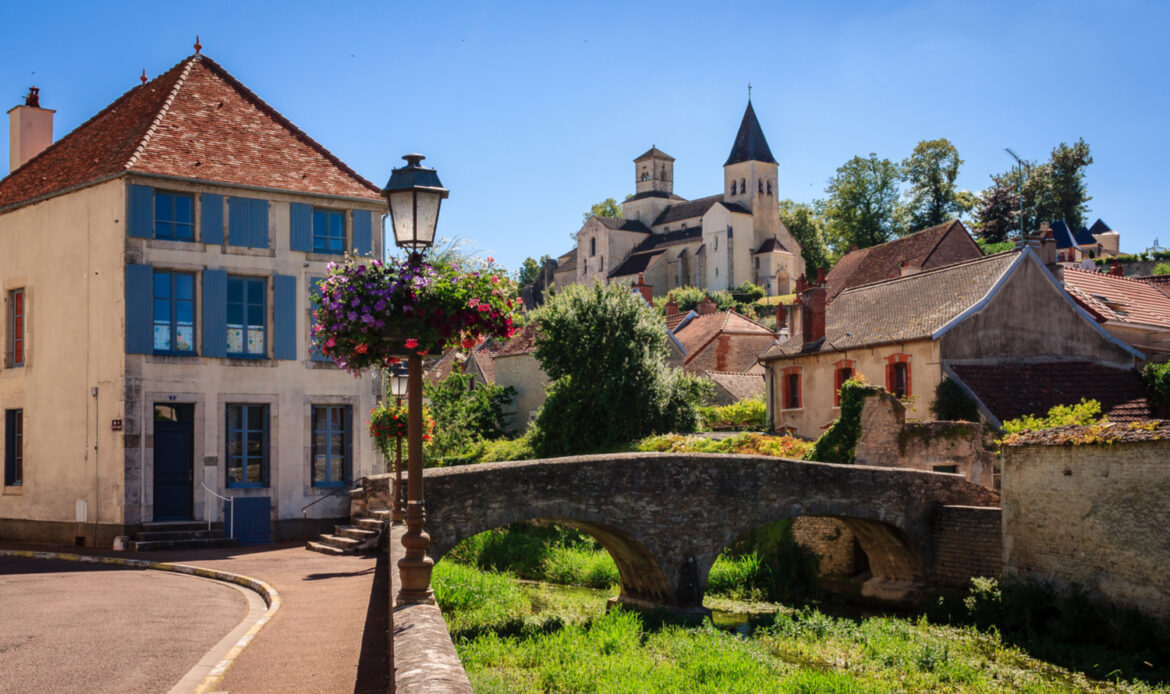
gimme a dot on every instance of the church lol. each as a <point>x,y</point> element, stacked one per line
<point>714,243</point>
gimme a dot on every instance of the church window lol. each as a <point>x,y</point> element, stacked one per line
<point>593,246</point>
<point>742,186</point>
<point>733,187</point>
<point>645,176</point>
<point>769,187</point>
<point>760,185</point>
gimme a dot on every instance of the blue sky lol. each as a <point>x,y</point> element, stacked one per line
<point>531,112</point>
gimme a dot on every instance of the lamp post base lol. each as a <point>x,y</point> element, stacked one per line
<point>414,569</point>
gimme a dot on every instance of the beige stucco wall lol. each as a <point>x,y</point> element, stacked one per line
<point>522,372</point>
<point>1095,515</point>
<point>817,412</point>
<point>66,254</point>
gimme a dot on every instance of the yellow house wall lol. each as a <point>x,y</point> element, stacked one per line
<point>522,372</point>
<point>66,254</point>
<point>817,411</point>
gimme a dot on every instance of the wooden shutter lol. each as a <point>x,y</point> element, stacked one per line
<point>300,227</point>
<point>140,211</point>
<point>214,313</point>
<point>362,233</point>
<point>211,218</point>
<point>284,329</point>
<point>238,221</point>
<point>139,309</point>
<point>258,223</point>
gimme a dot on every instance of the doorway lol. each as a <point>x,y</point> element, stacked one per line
<point>174,461</point>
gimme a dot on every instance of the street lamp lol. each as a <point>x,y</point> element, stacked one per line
<point>414,194</point>
<point>398,384</point>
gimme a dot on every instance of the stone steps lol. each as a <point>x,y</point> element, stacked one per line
<point>363,535</point>
<point>179,535</point>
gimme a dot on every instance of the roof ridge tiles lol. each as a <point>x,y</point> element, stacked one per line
<point>163,110</point>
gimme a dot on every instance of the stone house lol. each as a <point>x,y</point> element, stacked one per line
<point>157,265</point>
<point>996,314</point>
<point>716,242</point>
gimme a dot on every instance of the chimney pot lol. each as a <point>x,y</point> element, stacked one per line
<point>813,314</point>
<point>671,305</point>
<point>646,290</point>
<point>820,275</point>
<point>30,130</point>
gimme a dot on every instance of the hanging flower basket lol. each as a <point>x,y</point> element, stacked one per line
<point>388,424</point>
<point>370,314</point>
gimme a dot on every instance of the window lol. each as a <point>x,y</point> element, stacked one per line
<point>769,186</point>
<point>898,375</point>
<point>245,317</point>
<point>174,312</point>
<point>16,313</point>
<point>953,469</point>
<point>791,388</point>
<point>247,445</point>
<point>328,231</point>
<point>843,371</point>
<point>13,447</point>
<point>331,445</point>
<point>733,187</point>
<point>760,185</point>
<point>742,185</point>
<point>592,246</point>
<point>174,216</point>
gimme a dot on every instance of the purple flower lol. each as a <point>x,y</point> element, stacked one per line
<point>352,316</point>
<point>356,302</point>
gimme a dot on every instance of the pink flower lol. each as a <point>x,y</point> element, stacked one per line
<point>411,343</point>
<point>330,342</point>
<point>362,348</point>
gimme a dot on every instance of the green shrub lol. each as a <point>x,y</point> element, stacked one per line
<point>749,413</point>
<point>580,566</point>
<point>742,444</point>
<point>465,412</point>
<point>836,445</point>
<point>1161,269</point>
<point>951,403</point>
<point>1082,413</point>
<point>1157,378</point>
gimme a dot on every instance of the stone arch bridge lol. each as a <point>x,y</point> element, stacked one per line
<point>665,517</point>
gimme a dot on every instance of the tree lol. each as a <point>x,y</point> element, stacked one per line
<point>465,414</point>
<point>862,207</point>
<point>1066,171</point>
<point>530,270</point>
<point>997,213</point>
<point>931,171</point>
<point>605,351</point>
<point>808,227</point>
<point>606,208</point>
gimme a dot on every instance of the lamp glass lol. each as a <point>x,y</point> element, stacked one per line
<point>402,216</point>
<point>398,380</point>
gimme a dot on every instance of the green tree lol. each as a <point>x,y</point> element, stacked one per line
<point>862,204</point>
<point>606,208</point>
<point>465,414</point>
<point>931,171</point>
<point>1066,171</point>
<point>998,213</point>
<point>605,351</point>
<point>530,270</point>
<point>808,227</point>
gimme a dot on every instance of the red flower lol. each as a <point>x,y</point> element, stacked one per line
<point>411,343</point>
<point>362,348</point>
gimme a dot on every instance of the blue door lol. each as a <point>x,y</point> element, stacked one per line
<point>174,458</point>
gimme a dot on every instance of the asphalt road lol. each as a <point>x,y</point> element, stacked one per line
<point>68,627</point>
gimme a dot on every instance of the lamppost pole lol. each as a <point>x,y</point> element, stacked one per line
<point>396,513</point>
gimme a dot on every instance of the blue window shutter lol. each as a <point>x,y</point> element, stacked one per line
<point>300,217</point>
<point>362,235</point>
<point>238,221</point>
<point>284,329</point>
<point>211,218</point>
<point>140,212</point>
<point>258,222</point>
<point>139,309</point>
<point>215,313</point>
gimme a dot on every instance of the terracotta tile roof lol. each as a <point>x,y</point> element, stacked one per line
<point>738,385</point>
<point>194,121</point>
<point>523,342</point>
<point>1121,299</point>
<point>452,360</point>
<point>654,153</point>
<point>484,357</point>
<point>724,341</point>
<point>907,308</point>
<point>930,248</point>
<point>1073,435</point>
<point>1162,282</point>
<point>1015,390</point>
<point>672,322</point>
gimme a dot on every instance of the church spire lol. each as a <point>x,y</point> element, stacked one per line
<point>750,144</point>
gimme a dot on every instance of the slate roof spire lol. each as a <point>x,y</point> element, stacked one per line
<point>750,144</point>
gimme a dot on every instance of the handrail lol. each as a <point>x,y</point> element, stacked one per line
<point>344,488</point>
<point>231,508</point>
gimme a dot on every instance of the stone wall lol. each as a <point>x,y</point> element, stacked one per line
<point>1093,515</point>
<point>831,540</point>
<point>887,440</point>
<point>967,544</point>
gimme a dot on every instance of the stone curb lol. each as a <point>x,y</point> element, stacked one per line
<point>268,593</point>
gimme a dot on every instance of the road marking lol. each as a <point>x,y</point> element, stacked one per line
<point>266,592</point>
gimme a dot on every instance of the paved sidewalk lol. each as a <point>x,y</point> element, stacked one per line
<point>330,634</point>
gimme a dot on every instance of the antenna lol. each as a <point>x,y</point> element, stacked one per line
<point>1020,166</point>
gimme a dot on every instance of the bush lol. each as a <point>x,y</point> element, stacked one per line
<point>1157,378</point>
<point>1083,413</point>
<point>465,412</point>
<point>743,444</point>
<point>1161,269</point>
<point>749,413</point>
<point>951,403</point>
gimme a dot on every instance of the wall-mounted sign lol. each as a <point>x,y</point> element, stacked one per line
<point>116,425</point>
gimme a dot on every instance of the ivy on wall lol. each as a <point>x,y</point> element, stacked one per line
<point>837,444</point>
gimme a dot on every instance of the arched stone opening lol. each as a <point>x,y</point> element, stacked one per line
<point>783,282</point>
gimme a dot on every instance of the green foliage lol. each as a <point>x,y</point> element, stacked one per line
<point>952,403</point>
<point>748,293</point>
<point>472,601</point>
<point>605,351</point>
<point>808,227</point>
<point>492,451</point>
<point>931,171</point>
<point>741,444</point>
<point>606,208</point>
<point>530,270</point>
<point>749,413</point>
<point>766,563</point>
<point>465,412</point>
<point>1052,190</point>
<point>837,443</point>
<point>1161,269</point>
<point>522,549</point>
<point>1082,413</point>
<point>862,204</point>
<point>990,248</point>
<point>1157,379</point>
<point>997,214</point>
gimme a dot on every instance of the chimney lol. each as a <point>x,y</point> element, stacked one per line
<point>781,316</point>
<point>1047,245</point>
<point>706,306</point>
<point>30,130</point>
<point>820,276</point>
<point>646,290</point>
<point>1115,270</point>
<point>801,284</point>
<point>671,305</point>
<point>795,321</point>
<point>908,269</point>
<point>813,314</point>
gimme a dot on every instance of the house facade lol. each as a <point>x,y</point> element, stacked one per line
<point>157,265</point>
<point>1000,314</point>
<point>716,242</point>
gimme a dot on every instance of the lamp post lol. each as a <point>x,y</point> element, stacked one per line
<point>414,194</point>
<point>398,384</point>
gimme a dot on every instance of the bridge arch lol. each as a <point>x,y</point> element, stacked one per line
<point>666,517</point>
